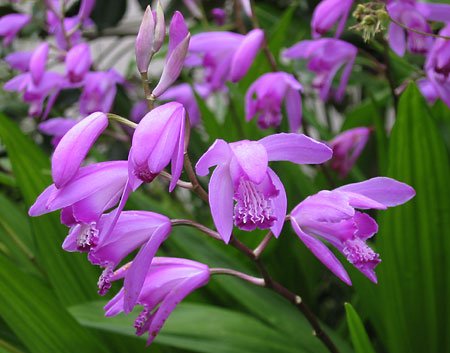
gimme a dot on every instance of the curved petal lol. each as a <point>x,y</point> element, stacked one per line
<point>294,109</point>
<point>245,54</point>
<point>252,159</point>
<point>366,225</point>
<point>279,203</point>
<point>221,201</point>
<point>434,12</point>
<point>135,277</point>
<point>178,155</point>
<point>322,252</point>
<point>74,146</point>
<point>386,191</point>
<point>397,40</point>
<point>296,148</point>
<point>40,205</point>
<point>218,154</point>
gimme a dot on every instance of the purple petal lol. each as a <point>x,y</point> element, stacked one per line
<point>245,54</point>
<point>86,8</point>
<point>178,31</point>
<point>322,252</point>
<point>160,28</point>
<point>386,191</point>
<point>38,62</point>
<point>218,154</point>
<point>144,41</point>
<point>366,225</point>
<point>252,159</point>
<point>178,155</point>
<point>279,203</point>
<point>135,276</point>
<point>19,60</point>
<point>40,205</point>
<point>397,40</point>
<point>78,62</point>
<point>296,148</point>
<point>294,109</point>
<point>74,147</point>
<point>434,12</point>
<point>221,201</point>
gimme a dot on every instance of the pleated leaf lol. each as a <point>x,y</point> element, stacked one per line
<point>358,333</point>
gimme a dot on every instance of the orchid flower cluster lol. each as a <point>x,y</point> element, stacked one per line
<point>244,192</point>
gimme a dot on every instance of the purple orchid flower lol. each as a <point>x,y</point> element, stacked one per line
<point>428,90</point>
<point>327,14</point>
<point>157,141</point>
<point>99,91</point>
<point>331,216</point>
<point>10,26</point>
<point>93,190</point>
<point>49,86</point>
<point>19,60</point>
<point>347,147</point>
<point>138,111</point>
<point>133,230</point>
<point>414,15</point>
<point>325,57</point>
<point>224,55</point>
<point>243,175</point>
<point>150,36</point>
<point>179,38</point>
<point>167,282</point>
<point>78,62</point>
<point>74,146</point>
<point>265,96</point>
<point>437,66</point>
<point>184,94</point>
<point>56,127</point>
<point>38,62</point>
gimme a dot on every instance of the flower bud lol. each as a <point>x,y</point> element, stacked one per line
<point>78,62</point>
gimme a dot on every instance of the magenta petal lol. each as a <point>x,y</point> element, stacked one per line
<point>40,205</point>
<point>366,225</point>
<point>296,148</point>
<point>322,252</point>
<point>178,31</point>
<point>38,62</point>
<point>178,155</point>
<point>135,276</point>
<point>221,201</point>
<point>219,153</point>
<point>19,60</point>
<point>173,67</point>
<point>252,159</point>
<point>294,109</point>
<point>74,147</point>
<point>434,12</point>
<point>397,40</point>
<point>175,296</point>
<point>279,203</point>
<point>386,191</point>
<point>245,54</point>
<point>144,41</point>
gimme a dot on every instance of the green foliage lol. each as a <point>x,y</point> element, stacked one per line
<point>358,334</point>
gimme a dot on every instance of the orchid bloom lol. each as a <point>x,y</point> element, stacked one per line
<point>224,55</point>
<point>331,216</point>
<point>19,60</point>
<point>133,230</point>
<point>265,96</point>
<point>325,57</point>
<point>167,282</point>
<point>327,14</point>
<point>347,147</point>
<point>99,91</point>
<point>10,26</point>
<point>437,67</point>
<point>219,16</point>
<point>157,141</point>
<point>243,175</point>
<point>184,94</point>
<point>414,15</point>
<point>78,62</point>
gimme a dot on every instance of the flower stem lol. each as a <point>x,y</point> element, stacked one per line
<point>262,246</point>
<point>180,183</point>
<point>149,98</point>
<point>226,271</point>
<point>200,227</point>
<point>122,120</point>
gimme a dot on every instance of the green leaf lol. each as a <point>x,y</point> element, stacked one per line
<point>34,314</point>
<point>199,328</point>
<point>71,276</point>
<point>358,333</point>
<point>410,307</point>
